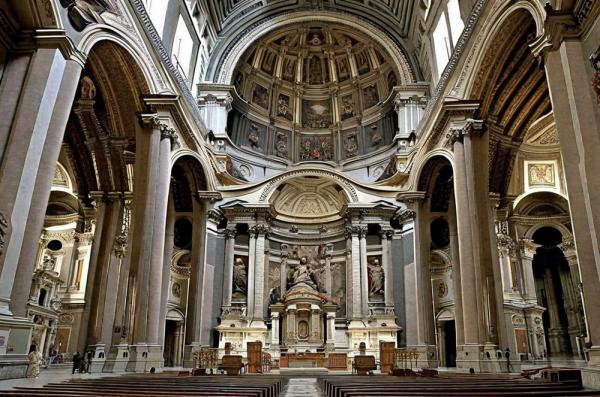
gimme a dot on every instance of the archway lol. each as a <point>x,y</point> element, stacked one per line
<point>558,294</point>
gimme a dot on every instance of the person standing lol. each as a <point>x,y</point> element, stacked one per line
<point>507,355</point>
<point>76,362</point>
<point>88,361</point>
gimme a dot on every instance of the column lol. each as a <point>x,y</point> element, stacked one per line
<point>283,270</point>
<point>577,118</point>
<point>528,249</point>
<point>229,234</point>
<point>261,231</point>
<point>167,136</point>
<point>166,273</point>
<point>410,103</point>
<point>364,271</point>
<point>352,233</point>
<point>214,103</point>
<point>328,281</point>
<point>251,272</point>
<point>386,246</point>
<point>103,267</point>
<point>456,281</point>
<point>33,136</point>
<point>471,304</point>
<point>496,294</point>
<point>275,328</point>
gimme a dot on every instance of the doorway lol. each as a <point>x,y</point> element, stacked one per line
<point>449,342</point>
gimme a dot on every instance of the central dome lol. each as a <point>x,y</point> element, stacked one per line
<point>318,92</point>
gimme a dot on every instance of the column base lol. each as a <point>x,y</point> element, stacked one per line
<point>188,354</point>
<point>483,358</point>
<point>117,359</point>
<point>98,358</point>
<point>16,333</point>
<point>143,357</point>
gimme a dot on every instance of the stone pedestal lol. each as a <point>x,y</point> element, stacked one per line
<point>98,358</point>
<point>138,356</point>
<point>117,359</point>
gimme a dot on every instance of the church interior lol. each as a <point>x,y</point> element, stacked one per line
<point>343,196</point>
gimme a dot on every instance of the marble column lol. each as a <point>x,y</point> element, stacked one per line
<point>229,234</point>
<point>500,333</point>
<point>456,278</point>
<point>275,329</point>
<point>283,270</point>
<point>260,268</point>
<point>471,294</point>
<point>31,135</point>
<point>352,233</point>
<point>167,136</point>
<point>328,281</point>
<point>386,249</point>
<point>528,250</point>
<point>364,272</point>
<point>147,147</point>
<point>166,272</point>
<point>102,270</point>
<point>251,271</point>
<point>577,118</point>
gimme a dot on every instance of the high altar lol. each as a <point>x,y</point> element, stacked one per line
<point>305,289</point>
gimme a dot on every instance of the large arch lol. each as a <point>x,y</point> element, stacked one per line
<point>231,51</point>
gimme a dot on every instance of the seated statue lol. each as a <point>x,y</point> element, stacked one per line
<point>302,274</point>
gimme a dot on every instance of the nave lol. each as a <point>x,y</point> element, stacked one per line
<point>173,384</point>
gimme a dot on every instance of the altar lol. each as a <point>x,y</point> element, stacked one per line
<point>302,360</point>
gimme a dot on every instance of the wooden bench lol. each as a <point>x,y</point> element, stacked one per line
<point>489,385</point>
<point>364,364</point>
<point>232,364</point>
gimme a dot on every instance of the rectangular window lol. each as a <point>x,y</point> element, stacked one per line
<point>441,43</point>
<point>456,23</point>
<point>157,11</point>
<point>183,46</point>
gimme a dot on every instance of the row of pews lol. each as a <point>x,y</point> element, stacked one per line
<point>488,385</point>
<point>159,385</point>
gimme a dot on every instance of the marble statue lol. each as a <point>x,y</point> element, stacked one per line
<point>375,277</point>
<point>240,276</point>
<point>35,361</point>
<point>82,13</point>
<point>302,274</point>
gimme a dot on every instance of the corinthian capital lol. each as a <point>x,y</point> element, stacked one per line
<point>467,127</point>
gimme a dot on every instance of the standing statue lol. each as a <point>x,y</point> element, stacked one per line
<point>375,277</point>
<point>35,361</point>
<point>240,276</point>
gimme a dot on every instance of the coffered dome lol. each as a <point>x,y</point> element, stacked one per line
<point>318,92</point>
